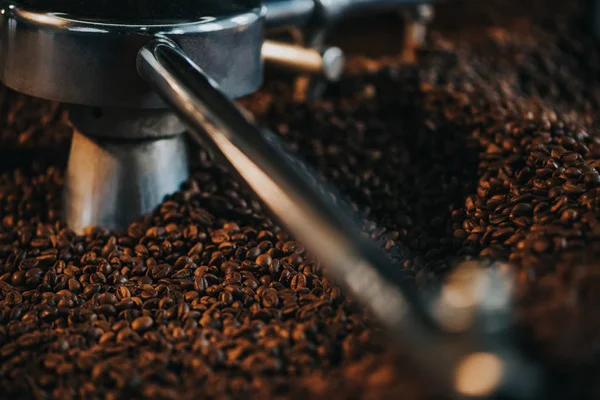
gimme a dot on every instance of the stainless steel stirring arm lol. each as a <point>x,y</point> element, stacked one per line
<point>296,198</point>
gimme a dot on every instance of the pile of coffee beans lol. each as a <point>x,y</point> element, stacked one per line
<point>487,147</point>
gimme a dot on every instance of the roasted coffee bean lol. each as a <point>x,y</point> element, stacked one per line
<point>161,271</point>
<point>123,292</point>
<point>298,282</point>
<point>200,284</point>
<point>226,298</point>
<point>293,247</point>
<point>270,298</point>
<point>520,210</point>
<point>592,179</point>
<point>264,261</point>
<point>142,324</point>
<point>125,304</point>
<point>107,298</point>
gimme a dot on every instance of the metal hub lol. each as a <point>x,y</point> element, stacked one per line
<point>129,153</point>
<point>123,166</point>
<point>50,51</point>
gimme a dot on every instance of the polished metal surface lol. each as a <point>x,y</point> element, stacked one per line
<point>301,12</point>
<point>328,63</point>
<point>333,63</point>
<point>289,12</point>
<point>65,58</point>
<point>141,11</point>
<point>358,6</point>
<point>314,215</point>
<point>333,10</point>
<point>111,182</point>
<point>123,123</point>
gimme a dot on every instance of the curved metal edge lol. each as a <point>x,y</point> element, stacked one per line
<point>71,23</point>
<point>74,61</point>
<point>126,124</point>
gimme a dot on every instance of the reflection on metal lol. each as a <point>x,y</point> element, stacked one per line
<point>416,20</point>
<point>479,374</point>
<point>474,295</point>
<point>456,306</point>
<point>110,182</point>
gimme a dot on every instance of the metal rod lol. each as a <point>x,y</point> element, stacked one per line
<point>329,64</point>
<point>354,6</point>
<point>289,12</point>
<point>300,12</point>
<point>310,212</point>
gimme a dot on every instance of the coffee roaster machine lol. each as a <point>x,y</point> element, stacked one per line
<point>138,75</point>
